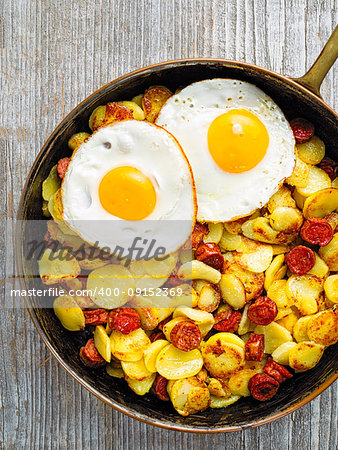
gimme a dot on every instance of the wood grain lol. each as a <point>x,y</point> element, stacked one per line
<point>52,55</point>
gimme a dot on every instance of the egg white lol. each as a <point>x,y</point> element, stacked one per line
<point>157,155</point>
<point>223,196</point>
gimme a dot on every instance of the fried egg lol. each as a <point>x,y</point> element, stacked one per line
<point>238,142</point>
<point>130,180</point>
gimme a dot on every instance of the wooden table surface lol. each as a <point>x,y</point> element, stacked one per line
<point>53,55</point>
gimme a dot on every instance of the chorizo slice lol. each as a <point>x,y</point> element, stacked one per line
<point>186,336</point>
<point>262,311</point>
<point>263,387</point>
<point>124,320</point>
<point>302,129</point>
<point>300,259</point>
<point>317,231</point>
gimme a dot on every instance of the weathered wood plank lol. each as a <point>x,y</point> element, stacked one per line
<point>53,55</point>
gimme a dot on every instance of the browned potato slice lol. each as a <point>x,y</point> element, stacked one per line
<point>300,174</point>
<point>311,151</point>
<point>254,256</point>
<point>238,382</point>
<point>77,139</point>
<point>323,327</point>
<point>275,335</point>
<point>57,266</point>
<point>151,317</point>
<point>333,220</point>
<point>281,354</point>
<point>305,355</point>
<point>305,291</point>
<point>329,253</point>
<point>235,226</point>
<point>68,312</point>
<point>331,288</point>
<point>277,293</point>
<point>290,320</point>
<point>215,232</point>
<point>317,180</point>
<point>286,219</point>
<point>209,298</point>
<point>115,112</point>
<point>252,282</point>
<point>189,396</point>
<point>137,111</point>
<point>153,100</point>
<point>321,203</point>
<point>261,230</point>
<point>282,198</point>
<point>320,269</point>
<point>129,347</point>
<point>96,118</point>
<point>300,329</point>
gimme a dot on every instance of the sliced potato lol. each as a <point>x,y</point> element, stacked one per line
<point>229,241</point>
<point>222,402</point>
<point>335,183</point>
<point>218,388</point>
<point>333,220</point>
<point>305,291</point>
<point>138,100</point>
<point>150,354</point>
<point>275,335</point>
<point>277,293</point>
<point>331,288</point>
<point>279,249</point>
<point>311,151</point>
<point>245,325</point>
<point>115,112</point>
<point>238,383</point>
<point>305,355</point>
<point>97,117</point>
<point>300,329</point>
<point>272,271</point>
<point>153,100</point>
<point>329,253</point>
<point>114,371</point>
<point>286,219</point>
<point>323,327</point>
<point>152,273</point>
<point>300,174</point>
<point>102,342</point>
<point>55,206</point>
<point>137,111</point>
<point>232,338</point>
<point>320,269</point>
<point>321,203</point>
<point>174,364</point>
<point>204,320</point>
<point>282,197</point>
<point>57,266</point>
<point>215,232</point>
<point>136,370</point>
<point>209,298</point>
<point>198,270</point>
<point>252,282</point>
<point>110,286</point>
<point>290,320</point>
<point>141,387</point>
<point>256,259</point>
<point>189,396</point>
<point>232,290</point>
<point>317,180</point>
<point>167,328</point>
<point>300,199</point>
<point>69,314</point>
<point>151,317</point>
<point>261,230</point>
<point>129,347</point>
<point>221,358</point>
<point>281,353</point>
<point>77,139</point>
<point>51,184</point>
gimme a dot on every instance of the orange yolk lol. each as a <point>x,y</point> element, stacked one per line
<point>237,140</point>
<point>125,192</point>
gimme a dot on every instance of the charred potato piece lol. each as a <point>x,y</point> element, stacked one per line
<point>189,396</point>
<point>305,355</point>
<point>153,100</point>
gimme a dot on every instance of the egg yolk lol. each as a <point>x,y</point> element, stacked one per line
<point>237,140</point>
<point>125,192</point>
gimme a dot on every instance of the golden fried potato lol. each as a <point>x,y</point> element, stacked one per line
<point>290,320</point>
<point>55,206</point>
<point>138,100</point>
<point>253,255</point>
<point>69,314</point>
<point>229,241</point>
<point>218,388</point>
<point>331,288</point>
<point>137,111</point>
<point>286,219</point>
<point>273,272</point>
<point>274,334</point>
<point>97,117</point>
<point>277,293</point>
<point>238,382</point>
<point>222,402</point>
<point>57,266</point>
<point>320,269</point>
<point>209,298</point>
<point>136,370</point>
<point>305,291</point>
<point>221,358</point>
<point>116,112</point>
<point>261,230</point>
<point>317,180</point>
<point>321,203</point>
<point>153,100</point>
<point>282,198</point>
<point>150,354</point>
<point>215,232</point>
<point>329,253</point>
<point>174,364</point>
<point>151,317</point>
<point>197,270</point>
<point>51,184</point>
<point>300,174</point>
<point>102,342</point>
<point>252,282</point>
<point>141,387</point>
<point>232,290</point>
<point>129,347</point>
<point>311,151</point>
<point>305,355</point>
<point>77,139</point>
<point>333,220</point>
<point>300,329</point>
<point>300,199</point>
<point>245,325</point>
<point>322,328</point>
<point>281,354</point>
<point>189,396</point>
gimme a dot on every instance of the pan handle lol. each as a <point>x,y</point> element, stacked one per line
<point>314,76</point>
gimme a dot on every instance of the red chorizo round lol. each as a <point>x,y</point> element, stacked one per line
<point>329,166</point>
<point>303,130</point>
<point>62,167</point>
<point>96,316</point>
<point>300,259</point>
<point>317,231</point>
<point>210,254</point>
<point>160,388</point>
<point>254,347</point>
<point>200,230</point>
<point>262,311</point>
<point>227,321</point>
<point>262,386</point>
<point>90,356</point>
<point>124,320</point>
<point>186,336</point>
<point>277,371</point>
